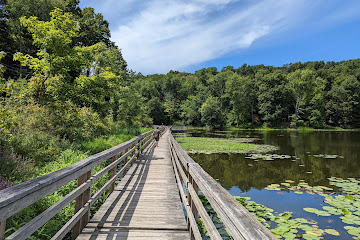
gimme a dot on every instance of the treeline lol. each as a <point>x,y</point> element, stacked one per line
<point>311,94</point>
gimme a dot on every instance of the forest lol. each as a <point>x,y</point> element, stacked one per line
<point>311,94</point>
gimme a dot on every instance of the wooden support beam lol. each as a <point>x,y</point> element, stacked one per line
<point>125,161</point>
<point>2,229</point>
<point>113,173</point>
<point>80,201</point>
<point>192,205</point>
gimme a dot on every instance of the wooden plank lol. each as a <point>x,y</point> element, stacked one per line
<point>183,156</point>
<point>79,203</point>
<point>197,205</point>
<point>29,228</point>
<point>71,223</point>
<point>147,198</point>
<point>106,234</point>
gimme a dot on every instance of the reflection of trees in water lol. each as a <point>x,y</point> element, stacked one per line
<point>233,170</point>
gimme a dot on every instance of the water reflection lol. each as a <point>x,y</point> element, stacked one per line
<point>236,170</point>
<point>246,177</point>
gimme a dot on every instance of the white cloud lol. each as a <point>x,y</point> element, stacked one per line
<point>165,35</point>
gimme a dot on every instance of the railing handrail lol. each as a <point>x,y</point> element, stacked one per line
<point>43,185</point>
<point>235,217</point>
<point>18,197</point>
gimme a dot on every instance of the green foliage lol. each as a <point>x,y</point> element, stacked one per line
<point>211,114</point>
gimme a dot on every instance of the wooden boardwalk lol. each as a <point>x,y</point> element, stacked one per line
<point>146,203</point>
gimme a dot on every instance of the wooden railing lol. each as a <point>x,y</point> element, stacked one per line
<point>191,178</point>
<point>18,197</point>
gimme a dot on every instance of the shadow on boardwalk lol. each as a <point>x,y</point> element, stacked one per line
<point>146,203</point>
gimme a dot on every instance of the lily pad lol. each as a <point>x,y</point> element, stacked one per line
<point>353,230</point>
<point>312,210</point>
<point>332,232</point>
<point>322,213</point>
<point>310,237</point>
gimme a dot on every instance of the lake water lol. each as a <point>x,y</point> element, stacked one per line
<point>241,176</point>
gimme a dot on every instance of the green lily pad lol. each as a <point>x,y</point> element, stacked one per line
<point>301,220</point>
<point>289,235</point>
<point>322,213</point>
<point>332,232</point>
<point>310,237</point>
<point>353,230</point>
<point>312,210</point>
<point>285,184</point>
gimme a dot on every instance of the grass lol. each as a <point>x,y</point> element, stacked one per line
<point>221,145</point>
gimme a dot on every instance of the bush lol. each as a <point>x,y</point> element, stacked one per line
<point>79,123</point>
<point>38,146</point>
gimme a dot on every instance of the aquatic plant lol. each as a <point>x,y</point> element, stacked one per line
<point>268,157</point>
<point>282,225</point>
<point>222,145</point>
<point>344,202</point>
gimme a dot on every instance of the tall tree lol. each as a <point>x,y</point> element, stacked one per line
<point>275,98</point>
<point>93,29</point>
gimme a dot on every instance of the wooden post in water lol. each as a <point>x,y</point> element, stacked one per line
<point>113,172</point>
<point>80,201</point>
<point>2,229</point>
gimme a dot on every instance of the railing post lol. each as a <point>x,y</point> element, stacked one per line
<point>80,201</point>
<point>2,229</point>
<point>125,161</point>
<point>140,146</point>
<point>192,204</point>
<point>113,172</point>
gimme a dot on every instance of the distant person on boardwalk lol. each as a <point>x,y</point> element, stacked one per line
<point>156,134</point>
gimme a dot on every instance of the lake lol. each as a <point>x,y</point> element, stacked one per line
<point>241,176</point>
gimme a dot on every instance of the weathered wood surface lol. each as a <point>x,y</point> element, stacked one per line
<point>145,204</point>
<point>238,221</point>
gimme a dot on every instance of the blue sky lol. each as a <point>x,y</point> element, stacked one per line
<point>157,36</point>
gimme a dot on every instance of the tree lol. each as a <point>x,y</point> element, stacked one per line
<point>302,84</point>
<point>343,102</point>
<point>113,61</point>
<point>93,29</point>
<point>274,97</point>
<point>211,114</point>
<point>156,111</point>
<point>55,54</point>
<point>217,85</point>
<point>241,93</point>
<point>132,111</point>
<point>190,110</point>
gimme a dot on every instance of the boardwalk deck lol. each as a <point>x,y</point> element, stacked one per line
<point>146,203</point>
